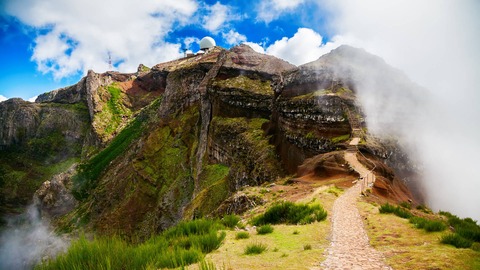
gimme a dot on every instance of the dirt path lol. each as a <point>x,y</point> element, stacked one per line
<point>350,248</point>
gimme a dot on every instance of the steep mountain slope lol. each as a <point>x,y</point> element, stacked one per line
<point>178,141</point>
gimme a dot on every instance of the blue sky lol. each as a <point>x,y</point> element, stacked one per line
<point>44,47</point>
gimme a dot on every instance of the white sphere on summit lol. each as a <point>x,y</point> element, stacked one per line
<point>207,43</point>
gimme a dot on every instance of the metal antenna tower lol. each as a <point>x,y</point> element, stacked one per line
<point>110,67</point>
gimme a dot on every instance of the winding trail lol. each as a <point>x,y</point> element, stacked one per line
<point>350,248</point>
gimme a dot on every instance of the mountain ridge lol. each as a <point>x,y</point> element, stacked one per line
<point>257,119</point>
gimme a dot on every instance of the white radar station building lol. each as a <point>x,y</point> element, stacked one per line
<point>207,43</point>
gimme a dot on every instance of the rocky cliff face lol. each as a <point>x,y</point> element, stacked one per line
<point>37,140</point>
<point>181,138</point>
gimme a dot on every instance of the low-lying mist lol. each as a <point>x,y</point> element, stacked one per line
<point>27,240</point>
<point>436,44</point>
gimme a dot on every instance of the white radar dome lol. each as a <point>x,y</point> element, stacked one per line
<point>207,43</point>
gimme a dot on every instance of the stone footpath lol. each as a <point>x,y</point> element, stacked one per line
<point>350,248</point>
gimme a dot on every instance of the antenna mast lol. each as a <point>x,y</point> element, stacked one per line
<point>110,67</point>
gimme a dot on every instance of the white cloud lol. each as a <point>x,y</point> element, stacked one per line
<point>436,43</point>
<point>188,41</point>
<point>80,33</point>
<point>255,46</point>
<point>217,16</point>
<point>32,99</point>
<point>269,10</point>
<point>234,38</point>
<point>3,98</point>
<point>305,46</point>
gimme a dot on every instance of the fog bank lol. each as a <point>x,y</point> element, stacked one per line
<point>436,44</point>
<point>27,240</point>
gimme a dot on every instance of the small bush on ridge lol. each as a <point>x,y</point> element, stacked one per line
<point>291,213</point>
<point>255,248</point>
<point>456,241</point>
<point>428,225</point>
<point>398,211</point>
<point>230,221</point>
<point>265,229</point>
<point>242,235</point>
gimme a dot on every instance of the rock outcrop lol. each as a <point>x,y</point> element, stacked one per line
<point>55,197</point>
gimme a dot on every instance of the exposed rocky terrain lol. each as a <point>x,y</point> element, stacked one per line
<point>177,141</point>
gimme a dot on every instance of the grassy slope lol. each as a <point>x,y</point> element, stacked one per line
<point>406,247</point>
<point>285,250</point>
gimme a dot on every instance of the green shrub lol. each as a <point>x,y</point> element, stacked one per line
<point>475,246</point>
<point>398,211</point>
<point>296,232</point>
<point>265,229</point>
<point>230,221</point>
<point>424,209</point>
<point>456,241</point>
<point>290,213</point>
<point>428,225</point>
<point>418,222</point>
<point>242,235</point>
<point>307,247</point>
<point>406,205</point>
<point>387,209</point>
<point>255,248</point>
<point>467,228</point>
<point>435,226</point>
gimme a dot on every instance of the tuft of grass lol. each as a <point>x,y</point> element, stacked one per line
<point>456,241</point>
<point>396,210</point>
<point>339,139</point>
<point>296,232</point>
<point>182,245</point>
<point>255,248</point>
<point>424,209</point>
<point>265,229</point>
<point>242,235</point>
<point>476,246</point>
<point>406,205</point>
<point>206,265</point>
<point>307,247</point>
<point>290,213</point>
<point>230,221</point>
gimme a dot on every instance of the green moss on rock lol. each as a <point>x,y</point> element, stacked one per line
<point>251,157</point>
<point>243,82</point>
<point>114,112</point>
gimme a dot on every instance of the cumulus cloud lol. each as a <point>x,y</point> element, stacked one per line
<point>78,35</point>
<point>436,44</point>
<point>234,38</point>
<point>217,16</point>
<point>3,98</point>
<point>269,10</point>
<point>304,46</point>
<point>188,41</point>
<point>255,46</point>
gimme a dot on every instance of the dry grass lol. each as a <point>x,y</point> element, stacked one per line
<point>281,241</point>
<point>408,248</point>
